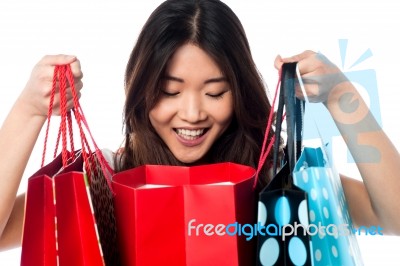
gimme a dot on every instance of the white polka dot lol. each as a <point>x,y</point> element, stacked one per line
<point>332,230</point>
<point>334,252</point>
<point>326,212</point>
<point>325,193</point>
<point>312,230</point>
<point>297,251</point>
<point>269,252</point>
<point>302,213</point>
<point>318,255</point>
<point>321,234</point>
<point>262,213</point>
<point>305,176</point>
<point>282,211</point>
<point>313,193</point>
<point>312,216</point>
<point>339,211</point>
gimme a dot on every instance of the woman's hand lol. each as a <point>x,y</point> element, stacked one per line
<point>36,95</point>
<point>319,75</point>
<point>18,136</point>
<point>371,203</point>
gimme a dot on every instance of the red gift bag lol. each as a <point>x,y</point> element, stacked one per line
<point>69,216</point>
<point>38,245</point>
<point>59,224</point>
<point>172,215</point>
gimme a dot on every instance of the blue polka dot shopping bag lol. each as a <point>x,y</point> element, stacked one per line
<point>333,242</point>
<point>331,228</point>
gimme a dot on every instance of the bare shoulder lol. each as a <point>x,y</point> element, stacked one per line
<point>112,156</point>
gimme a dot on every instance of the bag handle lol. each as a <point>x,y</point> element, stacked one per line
<point>294,114</point>
<point>266,149</point>
<point>63,74</point>
<point>280,116</point>
<point>105,167</point>
<point>65,123</point>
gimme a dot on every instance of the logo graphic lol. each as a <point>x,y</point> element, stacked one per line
<point>253,230</point>
<point>366,84</point>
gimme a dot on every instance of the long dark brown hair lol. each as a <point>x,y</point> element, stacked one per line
<point>214,27</point>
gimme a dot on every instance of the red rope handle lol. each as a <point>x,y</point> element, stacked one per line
<point>80,117</point>
<point>63,74</point>
<point>66,123</point>
<point>71,132</point>
<point>59,77</point>
<point>63,110</point>
<point>49,114</point>
<point>266,149</point>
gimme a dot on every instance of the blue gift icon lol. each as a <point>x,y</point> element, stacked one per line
<point>365,81</point>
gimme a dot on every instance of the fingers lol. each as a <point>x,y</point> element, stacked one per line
<point>44,69</point>
<point>39,88</point>
<point>304,61</point>
<point>296,58</point>
<point>299,57</point>
<point>69,90</point>
<point>47,65</point>
<point>70,102</point>
<point>60,59</point>
<point>69,105</point>
<point>78,85</point>
<point>76,69</point>
<point>318,74</point>
<point>49,61</point>
<point>278,62</point>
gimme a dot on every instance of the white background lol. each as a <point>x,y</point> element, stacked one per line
<point>102,34</point>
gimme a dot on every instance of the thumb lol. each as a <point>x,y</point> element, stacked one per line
<point>278,62</point>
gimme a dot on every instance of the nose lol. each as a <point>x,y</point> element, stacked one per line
<point>191,109</point>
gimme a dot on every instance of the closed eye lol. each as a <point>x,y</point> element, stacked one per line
<point>217,95</point>
<point>169,94</point>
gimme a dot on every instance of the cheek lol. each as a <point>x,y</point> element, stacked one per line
<point>160,114</point>
<point>223,113</point>
<point>224,117</point>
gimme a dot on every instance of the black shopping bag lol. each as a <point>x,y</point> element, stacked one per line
<point>283,207</point>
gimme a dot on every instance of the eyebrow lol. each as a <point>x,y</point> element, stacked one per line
<point>212,80</point>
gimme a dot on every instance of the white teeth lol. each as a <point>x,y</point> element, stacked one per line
<point>189,134</point>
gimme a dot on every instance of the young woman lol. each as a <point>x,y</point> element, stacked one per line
<point>194,96</point>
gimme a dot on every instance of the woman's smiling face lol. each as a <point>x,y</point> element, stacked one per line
<point>195,106</point>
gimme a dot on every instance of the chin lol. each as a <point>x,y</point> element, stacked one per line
<point>189,162</point>
<point>191,157</point>
<point>194,162</point>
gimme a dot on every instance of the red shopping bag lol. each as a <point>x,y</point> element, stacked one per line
<point>69,216</point>
<point>59,222</point>
<point>39,245</point>
<point>172,215</point>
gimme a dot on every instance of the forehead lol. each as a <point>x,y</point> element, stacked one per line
<point>191,60</point>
